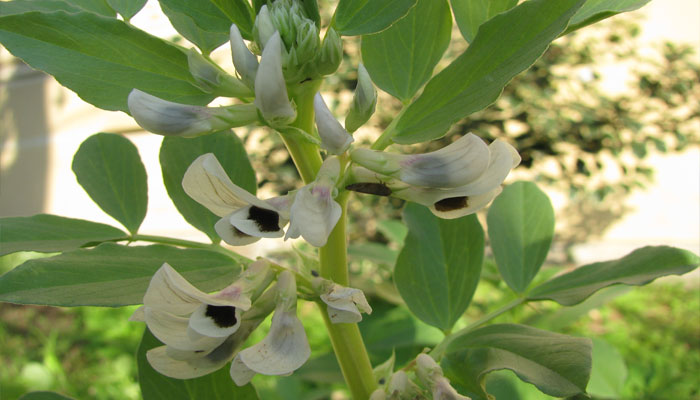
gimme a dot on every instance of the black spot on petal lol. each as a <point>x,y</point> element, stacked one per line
<point>266,220</point>
<point>452,203</point>
<point>223,316</point>
<point>378,189</point>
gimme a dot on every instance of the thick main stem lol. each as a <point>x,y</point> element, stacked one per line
<point>345,338</point>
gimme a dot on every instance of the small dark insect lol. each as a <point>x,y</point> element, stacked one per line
<point>382,381</point>
<point>452,203</point>
<point>314,273</point>
<point>379,189</point>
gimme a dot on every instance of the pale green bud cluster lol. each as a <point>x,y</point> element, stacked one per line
<point>304,55</point>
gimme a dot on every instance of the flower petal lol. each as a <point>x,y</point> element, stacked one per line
<point>173,331</point>
<point>240,373</point>
<point>334,138</point>
<point>442,390</point>
<point>455,207</point>
<point>245,62</point>
<point>215,321</point>
<point>169,292</point>
<point>207,183</point>
<point>232,235</point>
<point>313,215</point>
<point>270,87</point>
<point>199,364</point>
<point>284,349</point>
<point>166,117</point>
<point>257,221</point>
<point>454,165</point>
<point>503,158</point>
<point>345,304</point>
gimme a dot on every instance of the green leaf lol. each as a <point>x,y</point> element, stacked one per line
<point>521,226</point>
<point>23,6</point>
<point>609,371</point>
<point>362,17</point>
<point>597,10</point>
<point>127,8</point>
<point>110,275</point>
<point>311,8</point>
<point>100,59</point>
<point>50,233</point>
<point>215,386</point>
<point>559,365</point>
<point>238,12</point>
<point>44,396</point>
<point>439,266</point>
<point>470,14</point>
<point>207,39</point>
<point>109,168</point>
<point>505,46</point>
<point>393,229</point>
<point>401,58</point>
<point>99,7</point>
<point>637,268</point>
<point>176,155</point>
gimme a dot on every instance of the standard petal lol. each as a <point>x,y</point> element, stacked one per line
<point>284,349</point>
<point>169,292</point>
<point>454,165</point>
<point>167,118</point>
<point>334,138</point>
<point>503,158</point>
<point>172,330</point>
<point>215,321</point>
<point>207,183</point>
<point>270,87</point>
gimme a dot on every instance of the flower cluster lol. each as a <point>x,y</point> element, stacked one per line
<point>454,181</point>
<point>203,332</point>
<point>312,210</point>
<point>426,381</point>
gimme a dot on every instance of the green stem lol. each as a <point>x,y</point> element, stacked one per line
<point>347,342</point>
<point>384,139</point>
<point>440,349</point>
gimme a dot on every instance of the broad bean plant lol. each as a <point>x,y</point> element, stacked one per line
<point>202,301</point>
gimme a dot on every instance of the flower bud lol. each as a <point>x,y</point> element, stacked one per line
<point>334,138</point>
<point>331,53</point>
<point>364,101</point>
<point>270,88</point>
<point>263,29</point>
<point>212,79</point>
<point>245,62</point>
<point>173,119</point>
<point>427,369</point>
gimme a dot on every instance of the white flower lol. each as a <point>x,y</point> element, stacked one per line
<point>454,165</point>
<point>314,213</point>
<point>344,304</point>
<point>334,138</point>
<point>173,119</point>
<point>270,88</point>
<point>245,62</point>
<point>192,324</point>
<point>446,202</point>
<point>430,373</point>
<point>284,349</point>
<point>246,218</point>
